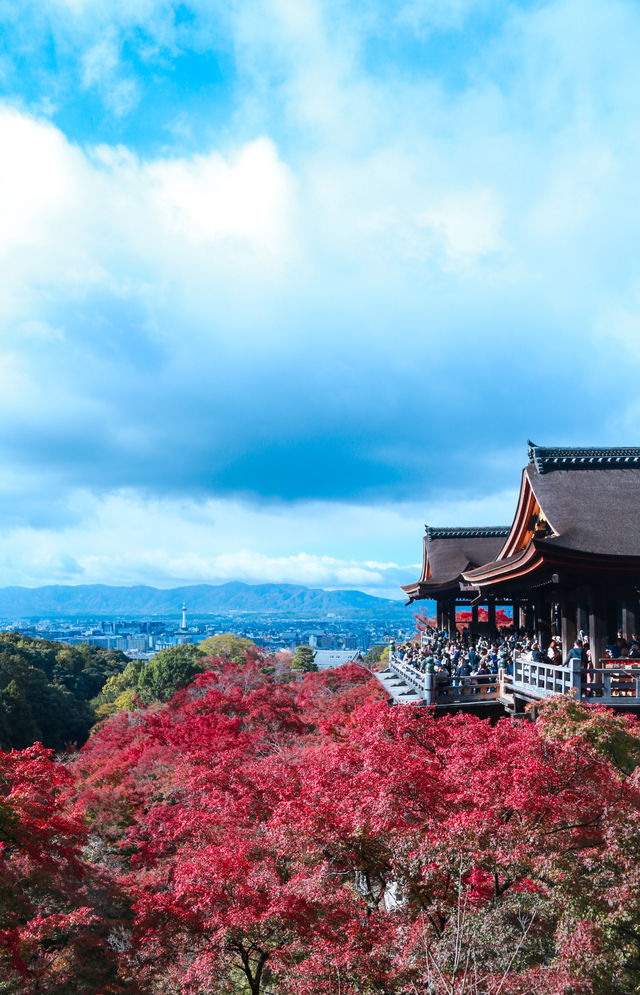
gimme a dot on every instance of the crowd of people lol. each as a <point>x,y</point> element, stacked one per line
<point>458,654</point>
<point>453,656</point>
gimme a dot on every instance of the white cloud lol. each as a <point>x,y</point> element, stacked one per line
<point>248,197</point>
<point>124,538</point>
<point>101,68</point>
<point>423,16</point>
<point>469,224</point>
<point>408,263</point>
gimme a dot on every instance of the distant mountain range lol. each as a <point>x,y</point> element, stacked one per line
<point>201,599</point>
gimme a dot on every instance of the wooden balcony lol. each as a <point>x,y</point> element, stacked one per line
<point>614,683</point>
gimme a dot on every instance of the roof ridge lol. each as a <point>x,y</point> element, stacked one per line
<point>466,532</point>
<point>548,458</point>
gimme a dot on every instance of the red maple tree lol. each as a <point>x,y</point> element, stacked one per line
<point>299,836</point>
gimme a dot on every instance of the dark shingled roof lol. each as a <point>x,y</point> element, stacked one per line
<point>547,459</point>
<point>595,510</point>
<point>453,550</point>
<point>471,532</point>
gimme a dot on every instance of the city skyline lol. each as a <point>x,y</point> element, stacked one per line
<point>286,280</point>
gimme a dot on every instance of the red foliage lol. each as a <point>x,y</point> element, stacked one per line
<point>49,929</point>
<point>305,838</point>
<point>463,618</point>
<point>502,619</point>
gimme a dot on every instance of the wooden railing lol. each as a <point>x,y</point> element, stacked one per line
<point>414,677</point>
<point>544,678</point>
<point>611,681</point>
<point>478,688</point>
<point>457,689</point>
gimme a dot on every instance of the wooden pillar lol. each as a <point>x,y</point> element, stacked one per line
<point>439,615</point>
<point>522,615</point>
<point>583,617</point>
<point>629,618</point>
<point>491,611</point>
<point>452,618</point>
<point>555,621</point>
<point>597,626</point>
<point>568,622</point>
<point>445,615</point>
<point>474,619</point>
<point>539,620</point>
<point>530,619</point>
<point>611,610</point>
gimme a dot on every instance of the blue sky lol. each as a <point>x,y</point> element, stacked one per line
<point>284,280</point>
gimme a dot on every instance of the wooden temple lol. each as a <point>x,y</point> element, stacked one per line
<point>447,554</point>
<point>569,562</point>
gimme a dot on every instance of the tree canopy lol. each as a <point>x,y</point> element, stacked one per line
<point>227,646</point>
<point>277,837</point>
<point>303,659</point>
<point>46,690</point>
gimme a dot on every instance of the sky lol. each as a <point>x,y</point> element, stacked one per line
<point>284,280</point>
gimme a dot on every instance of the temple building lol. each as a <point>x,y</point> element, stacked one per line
<point>447,553</point>
<point>569,562</point>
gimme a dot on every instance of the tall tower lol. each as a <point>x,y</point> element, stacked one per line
<point>182,634</point>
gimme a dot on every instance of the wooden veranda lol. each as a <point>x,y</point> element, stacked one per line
<point>614,683</point>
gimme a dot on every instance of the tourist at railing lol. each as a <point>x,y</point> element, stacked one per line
<point>577,652</point>
<point>535,654</point>
<point>463,663</point>
<point>554,652</point>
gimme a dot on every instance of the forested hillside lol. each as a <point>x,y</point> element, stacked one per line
<point>46,690</point>
<point>260,834</point>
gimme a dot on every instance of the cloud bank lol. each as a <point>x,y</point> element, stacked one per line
<point>311,256</point>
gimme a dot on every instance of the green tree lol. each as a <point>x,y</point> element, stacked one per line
<point>303,659</point>
<point>374,654</point>
<point>169,671</point>
<point>227,646</point>
<point>116,685</point>
<point>17,726</point>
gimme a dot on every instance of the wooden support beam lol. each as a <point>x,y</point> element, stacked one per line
<point>539,619</point>
<point>474,618</point>
<point>530,620</point>
<point>521,621</point>
<point>452,617</point>
<point>611,610</point>
<point>568,621</point>
<point>491,611</point>
<point>629,621</point>
<point>583,616</point>
<point>597,625</point>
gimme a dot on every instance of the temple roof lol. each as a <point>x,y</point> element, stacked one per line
<point>547,458</point>
<point>581,503</point>
<point>595,510</point>
<point>450,551</point>
<point>470,532</point>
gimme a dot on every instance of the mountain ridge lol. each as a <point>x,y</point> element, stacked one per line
<point>233,597</point>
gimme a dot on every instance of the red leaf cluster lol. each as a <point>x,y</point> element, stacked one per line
<point>304,837</point>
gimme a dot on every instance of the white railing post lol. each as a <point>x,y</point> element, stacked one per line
<point>430,688</point>
<point>575,672</point>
